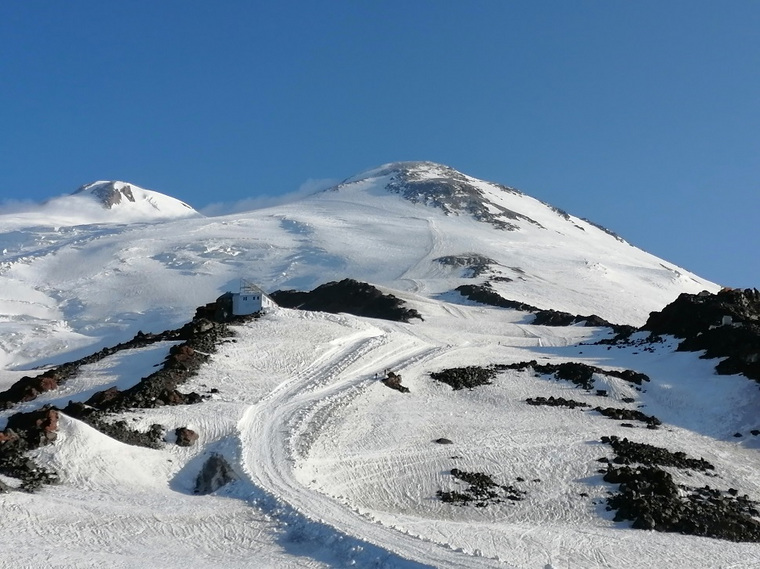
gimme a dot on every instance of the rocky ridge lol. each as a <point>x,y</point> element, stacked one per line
<point>724,325</point>
<point>348,295</point>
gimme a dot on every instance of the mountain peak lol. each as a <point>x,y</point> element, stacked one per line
<point>108,193</point>
<point>124,202</point>
<point>114,193</point>
<point>101,202</point>
<point>413,168</point>
<point>445,188</point>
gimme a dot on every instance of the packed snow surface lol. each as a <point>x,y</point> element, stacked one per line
<point>333,467</point>
<point>337,469</point>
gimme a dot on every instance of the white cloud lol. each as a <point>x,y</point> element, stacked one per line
<point>310,186</point>
<point>18,206</point>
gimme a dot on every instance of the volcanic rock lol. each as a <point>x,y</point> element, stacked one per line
<point>185,437</point>
<point>216,472</point>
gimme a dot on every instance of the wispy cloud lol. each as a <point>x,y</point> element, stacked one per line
<point>310,186</point>
<point>60,210</point>
<point>18,206</point>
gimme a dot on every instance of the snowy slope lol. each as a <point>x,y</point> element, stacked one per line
<point>334,468</point>
<point>338,470</point>
<point>64,288</point>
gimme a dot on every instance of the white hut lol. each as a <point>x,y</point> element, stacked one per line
<point>250,299</point>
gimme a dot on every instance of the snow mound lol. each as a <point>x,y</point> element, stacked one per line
<point>89,459</point>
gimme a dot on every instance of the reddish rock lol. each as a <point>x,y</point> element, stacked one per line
<point>40,426</point>
<point>7,436</point>
<point>185,437</point>
<point>103,397</point>
<point>393,381</point>
<point>182,353</point>
<point>49,421</point>
<point>173,397</point>
<point>48,381</point>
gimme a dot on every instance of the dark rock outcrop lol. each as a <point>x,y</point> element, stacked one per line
<point>465,377</point>
<point>482,490</point>
<point>473,263</point>
<point>649,497</point>
<point>576,372</point>
<point>216,472</point>
<point>108,194</point>
<point>544,317</point>
<point>185,437</point>
<point>555,402</point>
<point>485,294</point>
<point>350,296</point>
<point>117,430</point>
<point>37,427</point>
<point>724,325</point>
<point>629,452</point>
<point>160,388</point>
<point>651,421</point>
<point>691,314</point>
<point>452,192</point>
<point>25,432</point>
<point>199,334</point>
<point>29,388</point>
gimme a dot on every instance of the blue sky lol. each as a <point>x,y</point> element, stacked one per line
<point>641,116</point>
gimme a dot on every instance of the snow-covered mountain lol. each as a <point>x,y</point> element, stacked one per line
<point>415,227</point>
<point>134,203</point>
<point>329,466</point>
<point>102,202</point>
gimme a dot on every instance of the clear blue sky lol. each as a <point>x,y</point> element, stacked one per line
<point>642,116</point>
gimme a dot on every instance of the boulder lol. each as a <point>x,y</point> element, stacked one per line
<point>216,472</point>
<point>39,426</point>
<point>393,381</point>
<point>8,436</point>
<point>102,398</point>
<point>185,437</point>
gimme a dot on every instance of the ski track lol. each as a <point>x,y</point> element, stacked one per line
<point>270,431</point>
<point>339,470</point>
<point>277,433</point>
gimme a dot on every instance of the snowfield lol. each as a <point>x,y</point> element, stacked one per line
<point>336,468</point>
<point>75,288</point>
<point>333,467</point>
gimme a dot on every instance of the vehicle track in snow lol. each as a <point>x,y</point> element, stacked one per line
<point>280,426</point>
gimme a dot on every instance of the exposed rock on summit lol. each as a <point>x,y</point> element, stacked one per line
<point>109,193</point>
<point>443,187</point>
